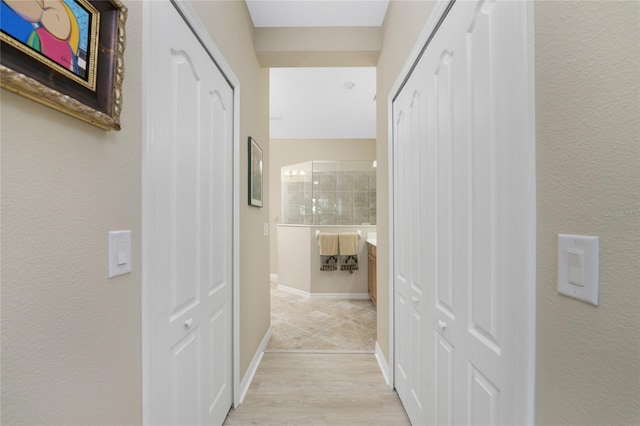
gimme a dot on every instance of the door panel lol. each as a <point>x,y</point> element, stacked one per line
<point>185,355</point>
<point>409,158</point>
<point>458,222</point>
<point>444,382</point>
<point>190,160</point>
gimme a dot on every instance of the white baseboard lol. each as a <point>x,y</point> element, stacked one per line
<point>293,291</point>
<point>273,278</point>
<point>307,295</point>
<point>253,367</point>
<point>361,296</point>
<point>384,366</point>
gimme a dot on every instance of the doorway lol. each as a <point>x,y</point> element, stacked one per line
<point>323,180</point>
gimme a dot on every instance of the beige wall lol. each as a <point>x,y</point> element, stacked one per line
<point>318,46</point>
<point>231,28</point>
<point>588,157</point>
<point>588,162</point>
<point>292,151</point>
<point>71,336</point>
<point>403,23</point>
<point>300,261</point>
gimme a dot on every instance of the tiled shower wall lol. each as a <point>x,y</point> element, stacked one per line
<point>330,198</point>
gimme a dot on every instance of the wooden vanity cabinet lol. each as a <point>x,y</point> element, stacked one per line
<point>372,273</point>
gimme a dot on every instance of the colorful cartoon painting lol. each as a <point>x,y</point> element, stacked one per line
<point>59,30</point>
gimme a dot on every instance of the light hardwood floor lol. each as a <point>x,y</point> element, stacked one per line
<point>319,389</point>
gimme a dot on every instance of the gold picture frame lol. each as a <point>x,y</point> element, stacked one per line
<point>68,56</point>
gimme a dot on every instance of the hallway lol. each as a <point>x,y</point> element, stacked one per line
<point>319,389</point>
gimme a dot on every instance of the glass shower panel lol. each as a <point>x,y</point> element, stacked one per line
<point>296,193</point>
<point>329,193</point>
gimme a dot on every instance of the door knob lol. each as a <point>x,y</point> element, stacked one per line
<point>442,325</point>
<point>188,323</point>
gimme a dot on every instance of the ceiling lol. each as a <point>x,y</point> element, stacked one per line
<point>317,13</point>
<point>313,103</point>
<point>320,103</point>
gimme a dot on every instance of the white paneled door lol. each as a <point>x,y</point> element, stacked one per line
<point>189,253</point>
<point>464,214</point>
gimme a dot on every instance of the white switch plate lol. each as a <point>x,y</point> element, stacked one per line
<point>578,267</point>
<point>119,253</point>
<point>266,229</point>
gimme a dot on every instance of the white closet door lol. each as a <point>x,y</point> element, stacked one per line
<point>190,258</point>
<point>463,218</point>
<point>411,253</point>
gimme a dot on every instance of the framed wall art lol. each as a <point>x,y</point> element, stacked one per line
<point>255,173</point>
<point>66,54</point>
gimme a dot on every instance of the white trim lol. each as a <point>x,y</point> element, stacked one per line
<point>192,20</point>
<point>355,296</point>
<point>384,365</point>
<point>146,216</point>
<point>529,312</point>
<point>320,351</point>
<point>273,278</point>
<point>307,295</point>
<point>253,367</point>
<point>438,11</point>
<point>294,291</point>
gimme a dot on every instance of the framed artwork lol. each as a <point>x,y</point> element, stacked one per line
<point>255,173</point>
<point>66,54</point>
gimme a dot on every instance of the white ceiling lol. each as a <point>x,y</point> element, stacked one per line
<point>313,103</point>
<point>317,13</point>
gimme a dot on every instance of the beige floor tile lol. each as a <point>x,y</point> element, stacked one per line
<point>300,323</point>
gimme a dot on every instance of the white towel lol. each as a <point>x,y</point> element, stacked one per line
<point>328,247</point>
<point>348,251</point>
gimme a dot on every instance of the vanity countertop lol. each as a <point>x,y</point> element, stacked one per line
<point>371,241</point>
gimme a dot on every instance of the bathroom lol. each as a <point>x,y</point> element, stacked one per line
<point>322,181</point>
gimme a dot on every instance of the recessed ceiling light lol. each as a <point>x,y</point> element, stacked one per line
<point>349,85</point>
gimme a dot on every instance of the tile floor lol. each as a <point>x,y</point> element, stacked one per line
<point>301,324</point>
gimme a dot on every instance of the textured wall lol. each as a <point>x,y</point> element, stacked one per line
<point>402,26</point>
<point>231,28</point>
<point>588,162</point>
<point>71,336</point>
<point>292,151</point>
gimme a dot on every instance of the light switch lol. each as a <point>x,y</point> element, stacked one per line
<point>266,229</point>
<point>122,252</point>
<point>575,259</point>
<point>578,267</point>
<point>119,253</point>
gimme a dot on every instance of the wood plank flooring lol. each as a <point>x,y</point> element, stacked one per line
<point>319,389</point>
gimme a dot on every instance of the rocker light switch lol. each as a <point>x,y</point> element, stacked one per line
<point>119,253</point>
<point>578,267</point>
<point>575,259</point>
